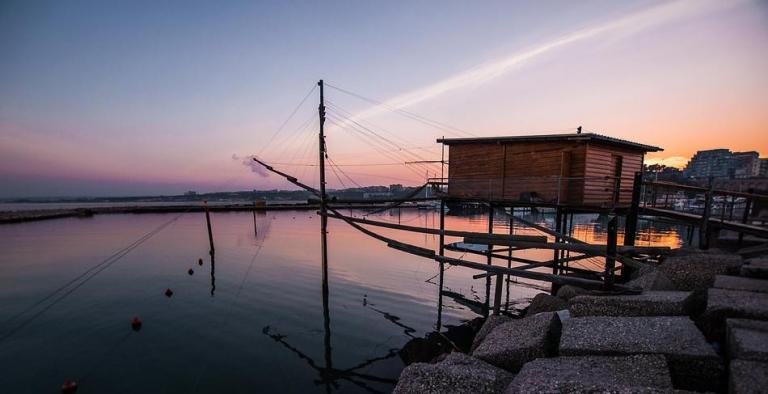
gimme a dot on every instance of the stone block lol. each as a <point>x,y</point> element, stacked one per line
<point>755,268</point>
<point>546,303</point>
<point>510,345</point>
<point>651,303</point>
<point>458,373</point>
<point>697,271</point>
<point>723,304</point>
<point>693,363</point>
<point>747,339</point>
<point>593,374</point>
<point>748,377</point>
<point>490,323</point>
<point>741,283</point>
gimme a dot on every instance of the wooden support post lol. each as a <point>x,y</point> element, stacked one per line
<point>255,229</point>
<point>208,223</point>
<point>745,215</point>
<point>441,252</point>
<point>556,256</point>
<point>610,260</point>
<point>704,230</point>
<point>630,224</point>
<point>497,294</point>
<point>509,252</point>
<point>489,261</point>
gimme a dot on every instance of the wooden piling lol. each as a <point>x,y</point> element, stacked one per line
<point>208,223</point>
<point>704,230</point>
<point>497,294</point>
<point>610,259</point>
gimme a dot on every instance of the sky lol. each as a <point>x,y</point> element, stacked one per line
<point>102,98</point>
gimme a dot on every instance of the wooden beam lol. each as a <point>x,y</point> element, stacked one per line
<point>435,231</point>
<point>559,279</point>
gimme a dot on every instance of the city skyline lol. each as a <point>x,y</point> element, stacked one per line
<point>143,98</point>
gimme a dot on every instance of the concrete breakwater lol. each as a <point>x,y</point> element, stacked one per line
<point>701,324</point>
<point>45,214</point>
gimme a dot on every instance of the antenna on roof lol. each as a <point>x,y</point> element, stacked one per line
<point>578,130</point>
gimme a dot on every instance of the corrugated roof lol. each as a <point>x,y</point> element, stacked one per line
<point>552,137</point>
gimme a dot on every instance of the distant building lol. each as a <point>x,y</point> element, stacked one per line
<point>722,163</point>
<point>190,193</point>
<point>763,168</point>
<point>716,163</point>
<point>396,188</point>
<point>746,164</point>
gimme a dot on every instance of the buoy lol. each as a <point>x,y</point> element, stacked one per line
<point>190,271</point>
<point>136,323</point>
<point>200,261</point>
<point>69,386</point>
<point>168,293</point>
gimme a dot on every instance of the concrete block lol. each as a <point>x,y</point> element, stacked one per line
<point>567,292</point>
<point>651,278</point>
<point>546,303</point>
<point>490,323</point>
<point>723,304</point>
<point>693,363</point>
<point>458,373</point>
<point>741,283</point>
<point>593,374</point>
<point>747,339</point>
<point>748,377</point>
<point>698,270</point>
<point>651,303</point>
<point>510,345</point>
<point>755,268</point>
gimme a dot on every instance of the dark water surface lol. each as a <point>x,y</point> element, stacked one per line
<point>255,324</point>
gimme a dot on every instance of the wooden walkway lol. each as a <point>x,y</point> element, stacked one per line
<point>695,219</point>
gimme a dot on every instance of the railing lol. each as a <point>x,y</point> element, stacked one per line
<point>601,190</point>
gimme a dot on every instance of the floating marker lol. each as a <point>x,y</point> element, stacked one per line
<point>168,293</point>
<point>69,386</point>
<point>200,261</point>
<point>191,271</point>
<point>136,323</point>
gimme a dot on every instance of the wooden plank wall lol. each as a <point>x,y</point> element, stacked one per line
<point>476,170</point>
<point>598,190</point>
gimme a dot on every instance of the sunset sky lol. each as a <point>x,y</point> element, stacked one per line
<point>146,97</point>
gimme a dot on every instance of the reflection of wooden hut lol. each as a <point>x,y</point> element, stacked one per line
<point>569,169</point>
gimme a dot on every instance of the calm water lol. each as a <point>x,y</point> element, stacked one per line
<point>255,324</point>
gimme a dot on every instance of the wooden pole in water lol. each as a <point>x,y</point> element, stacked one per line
<point>441,252</point>
<point>255,229</point>
<point>208,223</point>
<point>489,259</point>
<point>630,226</point>
<point>323,202</point>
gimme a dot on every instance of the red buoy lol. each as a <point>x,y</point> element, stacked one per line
<point>136,323</point>
<point>69,386</point>
<point>190,271</point>
<point>199,261</point>
<point>168,293</point>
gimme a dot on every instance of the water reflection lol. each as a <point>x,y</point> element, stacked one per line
<point>266,324</point>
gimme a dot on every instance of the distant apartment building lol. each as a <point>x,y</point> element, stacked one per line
<point>714,163</point>
<point>722,163</point>
<point>746,164</point>
<point>764,168</point>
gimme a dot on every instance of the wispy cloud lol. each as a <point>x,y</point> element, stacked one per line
<point>624,26</point>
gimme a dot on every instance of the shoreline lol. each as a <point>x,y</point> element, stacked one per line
<point>9,217</point>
